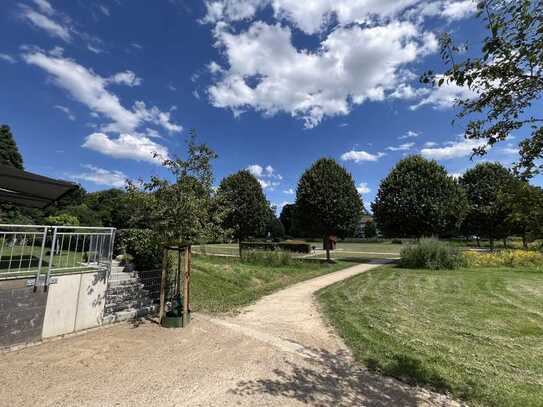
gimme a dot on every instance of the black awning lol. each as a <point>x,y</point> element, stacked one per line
<point>30,190</point>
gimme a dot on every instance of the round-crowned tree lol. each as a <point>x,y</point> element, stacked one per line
<point>484,184</point>
<point>247,210</point>
<point>287,213</point>
<point>327,202</point>
<point>418,198</point>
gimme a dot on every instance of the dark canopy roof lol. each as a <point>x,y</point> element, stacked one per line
<point>30,190</point>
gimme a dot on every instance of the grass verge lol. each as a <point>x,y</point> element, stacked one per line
<point>221,284</point>
<point>477,334</point>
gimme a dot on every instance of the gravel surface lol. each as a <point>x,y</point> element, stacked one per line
<point>277,352</point>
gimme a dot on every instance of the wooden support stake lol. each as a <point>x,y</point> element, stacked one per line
<point>186,283</point>
<point>163,285</point>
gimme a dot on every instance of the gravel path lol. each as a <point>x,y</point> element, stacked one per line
<point>277,352</point>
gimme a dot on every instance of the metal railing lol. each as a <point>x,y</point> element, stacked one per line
<point>42,251</point>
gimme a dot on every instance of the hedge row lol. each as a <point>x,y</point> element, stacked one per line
<point>295,247</point>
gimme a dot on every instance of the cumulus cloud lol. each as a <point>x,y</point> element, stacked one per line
<point>360,156</point>
<point>444,97</point>
<point>453,149</point>
<point>401,147</point>
<point>353,65</point>
<point>133,147</point>
<point>267,177</point>
<point>127,78</point>
<point>289,191</point>
<point>44,6</point>
<point>310,18</point>
<point>363,188</point>
<point>91,89</point>
<point>100,176</point>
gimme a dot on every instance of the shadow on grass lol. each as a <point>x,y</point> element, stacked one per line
<point>332,379</point>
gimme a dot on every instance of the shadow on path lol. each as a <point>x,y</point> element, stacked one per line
<point>331,379</point>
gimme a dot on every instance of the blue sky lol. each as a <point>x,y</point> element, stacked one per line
<point>91,88</point>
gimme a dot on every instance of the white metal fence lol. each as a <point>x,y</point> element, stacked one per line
<point>42,251</point>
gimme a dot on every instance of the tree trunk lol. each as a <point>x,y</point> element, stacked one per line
<point>478,242</point>
<point>326,244</point>
<point>524,240</point>
<point>505,243</point>
<point>491,243</point>
<point>239,247</point>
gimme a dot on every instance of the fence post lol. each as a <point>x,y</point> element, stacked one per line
<point>163,285</point>
<point>53,244</point>
<point>186,282</point>
<point>40,261</point>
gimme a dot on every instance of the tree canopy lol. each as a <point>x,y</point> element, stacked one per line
<point>9,153</point>
<point>487,213</point>
<point>247,210</point>
<point>418,198</point>
<point>505,79</point>
<point>179,210</point>
<point>327,202</point>
<point>286,217</point>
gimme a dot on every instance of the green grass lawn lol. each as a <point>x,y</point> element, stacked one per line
<point>221,284</point>
<point>477,334</point>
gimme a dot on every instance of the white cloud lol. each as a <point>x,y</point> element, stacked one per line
<point>289,191</point>
<point>310,17</point>
<point>454,149</point>
<point>402,147</point>
<point>86,87</point>
<point>430,144</point>
<point>214,67</point>
<point>457,10</point>
<point>353,65</point>
<point>444,97</point>
<point>409,134</point>
<point>363,188</point>
<point>510,149</point>
<point>101,176</point>
<point>127,77</point>
<point>47,24</point>
<point>266,176</point>
<point>139,148</point>
<point>7,58</point>
<point>45,7</point>
<point>360,156</point>
<point>456,175</point>
<point>66,110</point>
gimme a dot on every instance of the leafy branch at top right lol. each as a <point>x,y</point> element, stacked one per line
<point>506,79</point>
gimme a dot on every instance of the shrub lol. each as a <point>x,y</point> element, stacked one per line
<point>143,245</point>
<point>432,254</point>
<point>289,246</point>
<point>270,258</point>
<point>506,258</point>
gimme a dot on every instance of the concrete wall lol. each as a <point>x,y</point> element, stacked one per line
<point>75,301</point>
<point>21,312</point>
<point>92,297</point>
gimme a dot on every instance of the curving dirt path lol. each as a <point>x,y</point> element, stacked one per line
<point>277,352</point>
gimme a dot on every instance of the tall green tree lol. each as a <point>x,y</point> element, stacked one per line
<point>418,198</point>
<point>247,210</point>
<point>111,206</point>
<point>524,204</point>
<point>9,153</point>
<point>327,202</point>
<point>487,213</point>
<point>286,217</point>
<point>506,78</point>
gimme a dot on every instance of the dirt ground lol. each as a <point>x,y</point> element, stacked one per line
<point>277,352</point>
